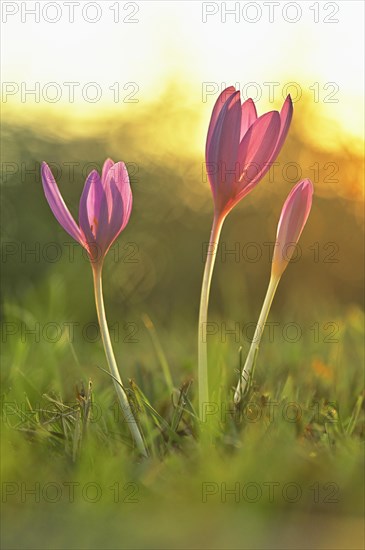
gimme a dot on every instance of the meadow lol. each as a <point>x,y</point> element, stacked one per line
<point>283,470</point>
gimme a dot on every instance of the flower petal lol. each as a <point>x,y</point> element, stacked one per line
<point>58,206</point>
<point>292,220</point>
<point>218,106</point>
<point>119,174</point>
<point>295,212</point>
<point>256,149</point>
<point>286,115</point>
<point>249,115</point>
<point>90,204</point>
<point>221,155</point>
<point>106,167</point>
<point>113,204</point>
<point>118,220</point>
<point>109,228</point>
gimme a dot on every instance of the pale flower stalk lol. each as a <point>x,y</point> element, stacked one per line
<point>293,218</point>
<point>240,149</point>
<point>104,211</point>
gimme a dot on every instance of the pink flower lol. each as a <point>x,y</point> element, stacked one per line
<point>104,210</point>
<point>241,146</point>
<point>292,220</point>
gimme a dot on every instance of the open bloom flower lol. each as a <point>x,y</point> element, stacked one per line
<point>240,149</point>
<point>292,220</point>
<point>104,210</point>
<point>241,146</point>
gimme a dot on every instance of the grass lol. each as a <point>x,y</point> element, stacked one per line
<point>283,471</point>
<point>70,476</point>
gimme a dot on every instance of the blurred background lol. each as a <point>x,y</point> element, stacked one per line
<point>143,92</point>
<point>137,81</point>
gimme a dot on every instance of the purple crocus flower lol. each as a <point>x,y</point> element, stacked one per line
<point>104,210</point>
<point>293,218</point>
<point>241,146</point>
<point>240,149</point>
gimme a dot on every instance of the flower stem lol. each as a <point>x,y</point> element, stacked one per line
<point>252,354</point>
<point>203,313</point>
<point>123,399</point>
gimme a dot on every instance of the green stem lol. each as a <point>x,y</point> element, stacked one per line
<point>203,314</point>
<point>252,354</point>
<point>118,384</point>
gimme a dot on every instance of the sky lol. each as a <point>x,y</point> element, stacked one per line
<point>85,56</point>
